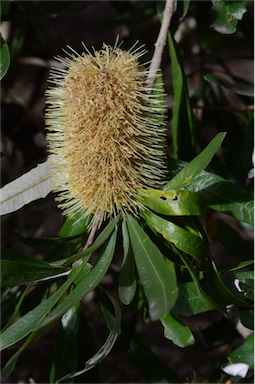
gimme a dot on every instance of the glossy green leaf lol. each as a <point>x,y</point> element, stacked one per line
<point>127,280</point>
<point>45,242</point>
<point>29,322</point>
<point>225,287</point>
<point>18,269</point>
<point>105,349</point>
<point>90,282</point>
<point>191,301</point>
<point>101,238</point>
<point>4,58</point>
<point>146,363</point>
<point>244,353</point>
<point>172,202</point>
<point>65,356</point>
<point>240,87</point>
<point>189,171</point>
<point>226,15</point>
<point>158,278</point>
<point>224,196</point>
<point>218,193</point>
<point>183,125</point>
<point>10,365</point>
<point>74,226</point>
<point>176,331</point>
<point>181,238</point>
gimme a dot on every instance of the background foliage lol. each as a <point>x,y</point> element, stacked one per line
<point>163,298</point>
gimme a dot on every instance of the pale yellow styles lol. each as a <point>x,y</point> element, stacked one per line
<point>106,132</point>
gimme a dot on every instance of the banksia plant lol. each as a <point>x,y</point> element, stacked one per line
<point>106,132</point>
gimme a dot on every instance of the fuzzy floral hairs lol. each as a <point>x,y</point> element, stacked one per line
<point>106,134</point>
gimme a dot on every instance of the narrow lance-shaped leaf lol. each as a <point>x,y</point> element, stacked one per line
<point>29,322</point>
<point>183,122</point>
<point>187,174</point>
<point>65,356</point>
<point>158,278</point>
<point>18,269</point>
<point>31,186</point>
<point>181,238</point>
<point>127,280</point>
<point>93,278</point>
<point>173,202</point>
<point>217,193</point>
<point>147,364</point>
<point>105,349</point>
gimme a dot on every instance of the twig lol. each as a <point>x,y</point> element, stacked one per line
<point>93,231</point>
<point>160,43</point>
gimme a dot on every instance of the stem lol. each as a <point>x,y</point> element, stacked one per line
<point>93,231</point>
<point>160,43</point>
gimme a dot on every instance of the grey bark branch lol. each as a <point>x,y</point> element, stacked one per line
<point>160,43</point>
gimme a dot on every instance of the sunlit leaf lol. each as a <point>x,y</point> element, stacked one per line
<point>158,279</point>
<point>172,202</point>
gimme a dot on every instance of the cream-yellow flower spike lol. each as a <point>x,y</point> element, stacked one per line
<point>106,135</point>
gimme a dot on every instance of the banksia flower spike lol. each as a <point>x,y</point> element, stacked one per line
<point>106,135</point>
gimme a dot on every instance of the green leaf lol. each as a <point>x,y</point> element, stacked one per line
<point>90,282</point>
<point>29,322</point>
<point>5,58</point>
<point>172,202</point>
<point>191,301</point>
<point>18,269</point>
<point>218,193</point>
<point>224,196</point>
<point>105,349</point>
<point>127,280</point>
<point>65,356</point>
<point>240,87</point>
<point>244,353</point>
<point>158,278</point>
<point>147,364</point>
<point>181,238</point>
<point>102,237</point>
<point>188,173</point>
<point>10,365</point>
<point>74,226</point>
<point>183,122</point>
<point>226,15</point>
<point>45,242</point>
<point>177,332</point>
